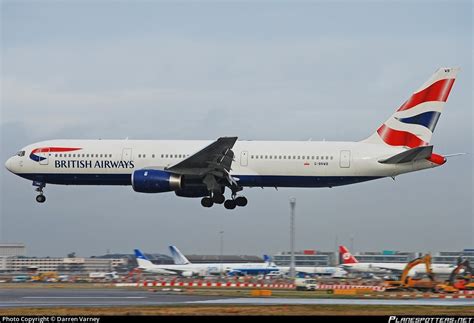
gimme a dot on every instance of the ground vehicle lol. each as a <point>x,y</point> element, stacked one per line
<point>461,278</point>
<point>416,282</point>
<point>49,276</point>
<point>20,279</point>
<point>305,284</point>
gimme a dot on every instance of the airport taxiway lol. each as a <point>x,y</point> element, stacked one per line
<point>48,297</point>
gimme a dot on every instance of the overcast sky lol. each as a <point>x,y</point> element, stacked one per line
<point>256,70</point>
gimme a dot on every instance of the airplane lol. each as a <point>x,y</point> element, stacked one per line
<point>179,258</point>
<point>335,272</point>
<point>350,263</point>
<point>205,169</point>
<point>188,269</point>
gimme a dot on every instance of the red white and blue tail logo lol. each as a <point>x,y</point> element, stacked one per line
<point>413,124</point>
<point>39,154</point>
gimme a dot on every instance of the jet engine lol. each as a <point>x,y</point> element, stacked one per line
<point>155,181</point>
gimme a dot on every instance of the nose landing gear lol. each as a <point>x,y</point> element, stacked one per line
<point>40,198</point>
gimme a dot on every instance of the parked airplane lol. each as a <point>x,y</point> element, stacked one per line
<point>188,269</point>
<point>350,263</point>
<point>205,169</point>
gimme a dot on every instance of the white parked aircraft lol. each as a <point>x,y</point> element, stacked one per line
<point>205,169</point>
<point>351,264</point>
<point>187,269</point>
<point>335,272</point>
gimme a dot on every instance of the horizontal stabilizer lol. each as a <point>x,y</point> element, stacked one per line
<point>409,155</point>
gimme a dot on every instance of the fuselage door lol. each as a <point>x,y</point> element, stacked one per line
<point>345,161</point>
<point>127,154</point>
<point>244,158</point>
<point>44,156</point>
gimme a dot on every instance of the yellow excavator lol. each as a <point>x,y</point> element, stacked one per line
<point>461,278</point>
<point>418,283</point>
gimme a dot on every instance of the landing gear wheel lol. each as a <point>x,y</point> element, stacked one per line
<point>241,201</point>
<point>40,198</point>
<point>230,204</point>
<point>218,199</point>
<point>207,202</point>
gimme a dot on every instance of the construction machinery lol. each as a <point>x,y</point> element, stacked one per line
<point>49,276</point>
<point>461,278</point>
<point>417,282</point>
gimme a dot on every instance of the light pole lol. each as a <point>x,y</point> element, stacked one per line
<point>221,251</point>
<point>292,237</point>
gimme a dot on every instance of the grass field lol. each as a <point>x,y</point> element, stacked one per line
<point>250,310</point>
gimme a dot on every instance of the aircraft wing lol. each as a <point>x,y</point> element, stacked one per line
<point>215,158</point>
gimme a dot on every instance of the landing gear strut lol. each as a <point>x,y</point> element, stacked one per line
<point>40,198</point>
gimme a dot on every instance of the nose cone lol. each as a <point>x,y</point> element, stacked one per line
<point>9,164</point>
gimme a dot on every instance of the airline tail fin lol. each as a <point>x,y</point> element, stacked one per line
<point>178,257</point>
<point>347,257</point>
<point>142,260</point>
<point>413,124</point>
<point>267,259</point>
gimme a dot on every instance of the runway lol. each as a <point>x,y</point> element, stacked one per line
<point>48,297</point>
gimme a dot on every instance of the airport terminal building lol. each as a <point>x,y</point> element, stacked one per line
<point>13,259</point>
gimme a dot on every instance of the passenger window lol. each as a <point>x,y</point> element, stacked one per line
<point>284,157</point>
<point>332,157</point>
<point>270,157</point>
<point>327,157</point>
<point>266,157</point>
<point>153,156</point>
<point>144,156</point>
<point>279,157</point>
<point>312,157</point>
<point>298,157</point>
<point>69,155</point>
<point>162,156</point>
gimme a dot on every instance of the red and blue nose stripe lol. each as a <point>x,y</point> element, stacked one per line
<point>37,158</point>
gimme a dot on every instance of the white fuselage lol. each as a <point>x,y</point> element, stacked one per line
<point>381,267</point>
<point>208,269</point>
<point>256,163</point>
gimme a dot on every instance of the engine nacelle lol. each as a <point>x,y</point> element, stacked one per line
<point>187,274</point>
<point>155,181</point>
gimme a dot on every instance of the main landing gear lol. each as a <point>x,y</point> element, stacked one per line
<point>40,198</point>
<point>228,204</point>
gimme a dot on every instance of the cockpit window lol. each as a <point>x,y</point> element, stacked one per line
<point>21,153</point>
